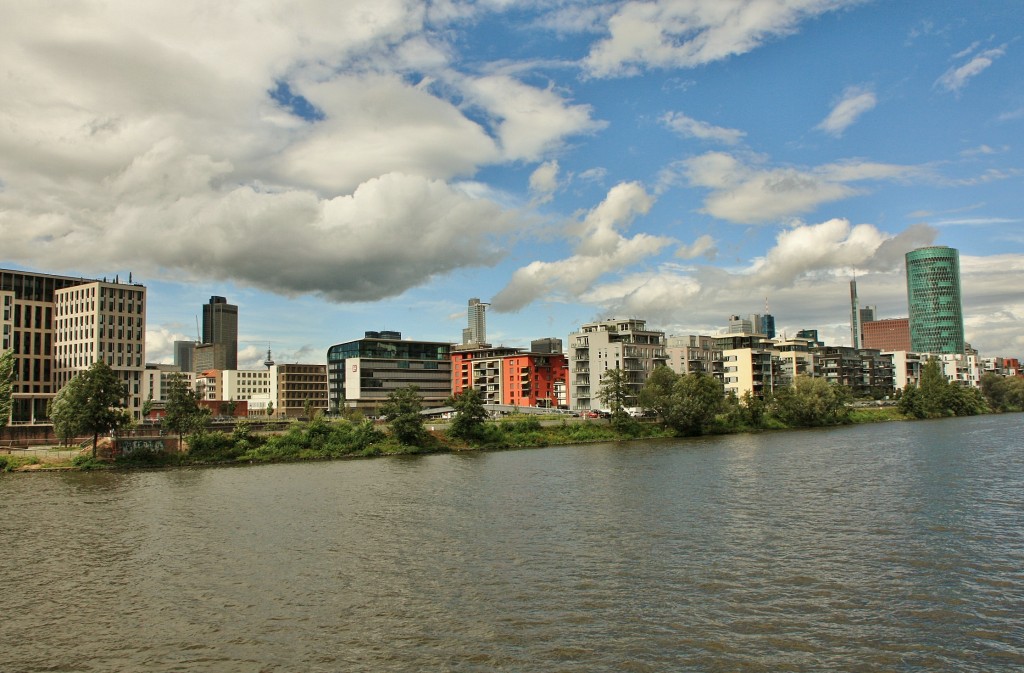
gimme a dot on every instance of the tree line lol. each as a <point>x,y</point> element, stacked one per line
<point>94,403</point>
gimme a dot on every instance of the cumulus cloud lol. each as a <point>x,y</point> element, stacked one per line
<point>287,147</point>
<point>855,101</point>
<point>600,250</point>
<point>544,181</point>
<point>690,33</point>
<point>704,246</point>
<point>692,128</point>
<point>957,77</point>
<point>746,193</point>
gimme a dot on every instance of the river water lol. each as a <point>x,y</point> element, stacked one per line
<point>894,547</point>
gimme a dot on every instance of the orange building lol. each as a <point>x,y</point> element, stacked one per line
<point>512,376</point>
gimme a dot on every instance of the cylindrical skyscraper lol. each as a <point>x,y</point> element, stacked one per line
<point>933,297</point>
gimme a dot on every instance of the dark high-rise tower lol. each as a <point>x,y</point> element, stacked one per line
<point>933,296</point>
<point>220,326</point>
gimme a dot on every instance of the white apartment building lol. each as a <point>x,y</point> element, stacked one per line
<point>624,344</point>
<point>906,369</point>
<point>156,381</point>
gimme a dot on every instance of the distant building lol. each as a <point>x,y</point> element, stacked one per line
<point>210,356</point>
<point>546,345</point>
<point>220,326</point>
<point>183,355</point>
<point>933,296</point>
<point>624,344</point>
<point>475,334</point>
<point>890,334</point>
<point>362,373</point>
<point>810,334</point>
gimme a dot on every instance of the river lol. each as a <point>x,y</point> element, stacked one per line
<point>892,547</point>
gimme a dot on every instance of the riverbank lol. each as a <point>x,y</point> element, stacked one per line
<point>333,440</point>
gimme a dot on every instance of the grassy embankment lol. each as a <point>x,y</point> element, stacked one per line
<point>325,440</point>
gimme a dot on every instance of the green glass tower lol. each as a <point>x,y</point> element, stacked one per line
<point>933,296</point>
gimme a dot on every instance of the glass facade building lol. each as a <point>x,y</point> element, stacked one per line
<point>933,297</point>
<point>362,373</point>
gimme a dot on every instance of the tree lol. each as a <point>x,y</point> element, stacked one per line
<point>307,408</point>
<point>685,403</point>
<point>270,409</point>
<point>1003,393</point>
<point>470,414</point>
<point>147,406</point>
<point>810,402</point>
<point>228,408</point>
<point>93,403</point>
<point>936,397</point>
<point>402,411</point>
<point>6,380</point>
<point>616,393</point>
<point>183,414</point>
<point>63,414</point>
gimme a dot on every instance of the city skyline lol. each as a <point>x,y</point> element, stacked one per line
<point>334,168</point>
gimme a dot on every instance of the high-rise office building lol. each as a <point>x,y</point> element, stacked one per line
<point>183,355</point>
<point>220,326</point>
<point>476,332</point>
<point>933,297</point>
<point>59,326</point>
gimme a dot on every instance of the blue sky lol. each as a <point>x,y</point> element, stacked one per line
<point>335,167</point>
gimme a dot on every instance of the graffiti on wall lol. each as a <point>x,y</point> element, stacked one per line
<point>133,446</point>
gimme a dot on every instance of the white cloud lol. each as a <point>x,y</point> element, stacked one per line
<point>692,128</point>
<point>146,136</point>
<point>957,77</point>
<point>544,181</point>
<point>704,246</point>
<point>854,102</point>
<point>689,33</point>
<point>600,250</point>
<point>749,194</point>
<point>529,122</point>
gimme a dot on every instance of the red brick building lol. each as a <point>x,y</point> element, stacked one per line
<point>890,335</point>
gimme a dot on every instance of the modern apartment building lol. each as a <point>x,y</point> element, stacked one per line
<point>865,371</point>
<point>748,363</point>
<point>60,325</point>
<point>624,344</point>
<point>694,353</point>
<point>933,297</point>
<point>512,376</point>
<point>362,373</point>
<point>220,327</point>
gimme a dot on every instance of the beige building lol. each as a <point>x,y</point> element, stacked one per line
<point>694,353</point>
<point>60,325</point>
<point>298,385</point>
<point>612,344</point>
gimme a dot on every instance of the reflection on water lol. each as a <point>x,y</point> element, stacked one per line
<point>874,548</point>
